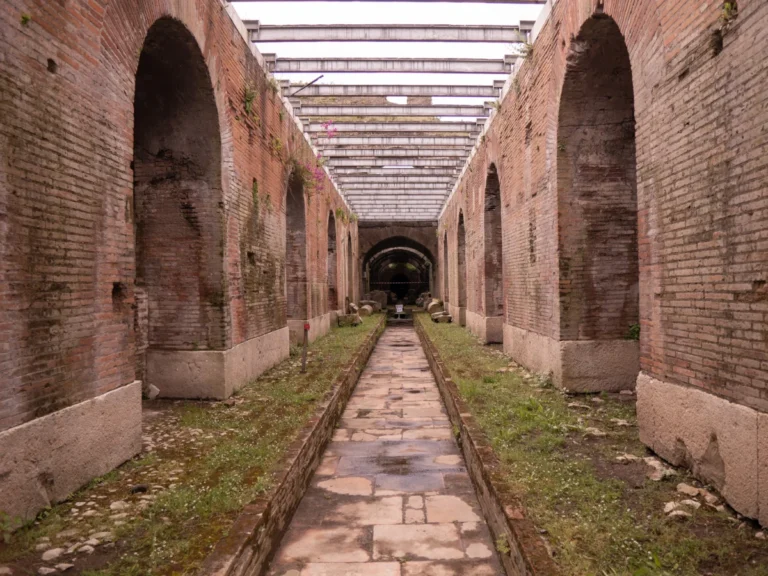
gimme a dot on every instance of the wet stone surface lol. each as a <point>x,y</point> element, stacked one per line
<point>391,496</point>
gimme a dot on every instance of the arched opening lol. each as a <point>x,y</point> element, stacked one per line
<point>494,293</point>
<point>333,303</point>
<point>461,252</point>
<point>350,270</point>
<point>446,290</point>
<point>179,297</point>
<point>295,250</point>
<point>597,190</point>
<point>400,267</point>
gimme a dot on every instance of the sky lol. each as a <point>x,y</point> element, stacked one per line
<point>389,13</point>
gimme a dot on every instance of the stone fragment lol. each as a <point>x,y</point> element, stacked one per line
<point>620,422</point>
<point>353,309</point>
<point>64,567</point>
<point>681,514</point>
<point>591,431</point>
<point>669,506</point>
<point>691,503</point>
<point>687,489</point>
<point>45,570</point>
<point>153,391</point>
<point>52,554</point>
<point>760,535</point>
<point>365,310</point>
<point>87,549</point>
<point>108,536</point>
<point>627,458</point>
<point>42,546</point>
<point>92,542</point>
<point>64,534</point>
<point>627,392</point>
<point>578,405</point>
<point>345,320</point>
<point>119,505</point>
<point>660,471</point>
<point>5,571</point>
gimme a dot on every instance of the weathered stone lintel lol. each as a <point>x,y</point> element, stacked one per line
<point>723,443</point>
<point>43,461</point>
<point>490,329</point>
<point>257,532</point>
<point>576,365</point>
<point>504,513</point>
<point>215,373</point>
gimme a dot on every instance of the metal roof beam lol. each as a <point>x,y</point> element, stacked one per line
<point>365,163</point>
<point>384,33</point>
<point>400,153</point>
<point>344,180</point>
<point>399,65</point>
<point>325,142</point>
<point>379,188</point>
<point>395,90</point>
<point>306,110</point>
<point>347,128</point>
<point>361,171</point>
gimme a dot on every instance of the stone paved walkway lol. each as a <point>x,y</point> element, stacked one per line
<point>392,496</point>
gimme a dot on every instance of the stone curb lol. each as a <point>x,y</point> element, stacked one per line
<point>528,554</point>
<point>256,534</point>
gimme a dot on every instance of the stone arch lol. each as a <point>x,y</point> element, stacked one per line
<point>494,293</point>
<point>333,299</point>
<point>295,250</point>
<point>180,300</point>
<point>446,277</point>
<point>461,253</point>
<point>401,266</point>
<point>597,198</point>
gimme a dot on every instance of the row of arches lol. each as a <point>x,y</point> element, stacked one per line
<point>178,214</point>
<point>597,211</point>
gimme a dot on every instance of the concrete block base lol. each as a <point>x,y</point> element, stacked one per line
<point>43,461</point>
<point>215,374</point>
<point>489,329</point>
<point>459,314</point>
<point>723,443</point>
<point>576,365</point>
<point>318,326</point>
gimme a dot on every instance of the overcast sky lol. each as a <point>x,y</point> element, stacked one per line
<point>389,13</point>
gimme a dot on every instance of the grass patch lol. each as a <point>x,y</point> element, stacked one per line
<point>211,459</point>
<point>596,521</point>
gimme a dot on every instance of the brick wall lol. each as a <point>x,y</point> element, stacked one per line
<point>701,149</point>
<point>206,224</point>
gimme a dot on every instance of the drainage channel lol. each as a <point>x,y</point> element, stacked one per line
<point>391,496</point>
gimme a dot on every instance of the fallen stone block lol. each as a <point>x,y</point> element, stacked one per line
<point>444,319</point>
<point>353,308</point>
<point>435,306</point>
<point>372,303</point>
<point>345,320</point>
<point>365,310</point>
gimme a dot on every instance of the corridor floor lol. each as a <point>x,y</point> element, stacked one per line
<point>391,496</point>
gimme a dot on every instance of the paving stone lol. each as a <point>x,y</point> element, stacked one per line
<point>352,485</point>
<point>445,508</point>
<point>450,569</point>
<point>351,569</point>
<point>324,545</point>
<point>387,510</point>
<point>425,541</point>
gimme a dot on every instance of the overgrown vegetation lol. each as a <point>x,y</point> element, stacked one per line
<point>237,446</point>
<point>599,516</point>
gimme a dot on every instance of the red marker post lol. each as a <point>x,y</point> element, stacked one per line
<point>304,350</point>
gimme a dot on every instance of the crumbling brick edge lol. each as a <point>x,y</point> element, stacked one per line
<point>528,554</point>
<point>256,534</point>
